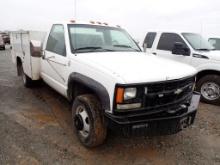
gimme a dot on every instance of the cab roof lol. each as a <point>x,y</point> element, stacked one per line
<point>170,31</point>
<point>90,23</point>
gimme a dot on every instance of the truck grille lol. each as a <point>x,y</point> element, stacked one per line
<point>168,93</point>
<point>160,99</point>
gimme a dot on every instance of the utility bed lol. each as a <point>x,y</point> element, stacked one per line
<point>23,45</point>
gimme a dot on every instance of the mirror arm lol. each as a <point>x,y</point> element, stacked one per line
<point>43,54</point>
<point>145,47</point>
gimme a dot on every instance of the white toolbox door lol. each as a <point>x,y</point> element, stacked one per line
<point>25,44</point>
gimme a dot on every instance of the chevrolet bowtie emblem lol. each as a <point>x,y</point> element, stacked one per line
<point>178,91</point>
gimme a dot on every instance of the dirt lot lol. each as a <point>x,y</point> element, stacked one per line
<point>35,128</point>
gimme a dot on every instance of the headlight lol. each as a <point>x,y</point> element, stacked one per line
<point>126,98</point>
<point>130,93</point>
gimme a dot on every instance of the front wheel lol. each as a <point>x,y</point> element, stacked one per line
<point>88,120</point>
<point>209,87</point>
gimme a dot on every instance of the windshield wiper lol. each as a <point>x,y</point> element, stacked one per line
<point>126,46</point>
<point>203,49</point>
<point>88,47</point>
<point>92,48</point>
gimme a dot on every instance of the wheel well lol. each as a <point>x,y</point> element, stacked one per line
<point>79,84</point>
<point>207,72</point>
<point>79,89</point>
<point>19,65</point>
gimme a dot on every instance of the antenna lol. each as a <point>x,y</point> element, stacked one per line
<point>74,9</point>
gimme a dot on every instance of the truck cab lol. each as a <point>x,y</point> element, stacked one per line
<point>194,50</point>
<point>110,82</point>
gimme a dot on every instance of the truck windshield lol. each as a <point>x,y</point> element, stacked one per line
<point>215,42</point>
<point>197,41</point>
<point>94,38</point>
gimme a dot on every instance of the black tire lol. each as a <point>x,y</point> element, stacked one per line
<point>207,80</point>
<point>2,47</point>
<point>26,80</point>
<point>97,132</point>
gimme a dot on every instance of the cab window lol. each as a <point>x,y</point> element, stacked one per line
<point>167,41</point>
<point>56,40</point>
<point>149,39</point>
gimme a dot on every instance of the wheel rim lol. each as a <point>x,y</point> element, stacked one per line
<point>210,91</point>
<point>82,121</point>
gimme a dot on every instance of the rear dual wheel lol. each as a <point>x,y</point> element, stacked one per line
<point>26,80</point>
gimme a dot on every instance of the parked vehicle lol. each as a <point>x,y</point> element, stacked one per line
<point>5,37</point>
<point>192,49</point>
<point>215,42</point>
<point>111,83</point>
<point>2,43</point>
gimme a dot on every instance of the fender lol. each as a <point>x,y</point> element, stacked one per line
<point>209,65</point>
<point>92,84</point>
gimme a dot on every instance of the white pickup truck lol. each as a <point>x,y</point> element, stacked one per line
<point>111,83</point>
<point>192,49</point>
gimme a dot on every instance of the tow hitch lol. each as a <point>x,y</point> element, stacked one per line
<point>185,122</point>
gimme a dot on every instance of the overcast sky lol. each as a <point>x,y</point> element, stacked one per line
<point>136,16</point>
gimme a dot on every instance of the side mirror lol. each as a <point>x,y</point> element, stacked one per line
<point>36,48</point>
<point>180,49</point>
<point>145,47</point>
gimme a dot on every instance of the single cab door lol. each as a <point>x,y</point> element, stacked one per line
<point>54,61</point>
<point>165,45</point>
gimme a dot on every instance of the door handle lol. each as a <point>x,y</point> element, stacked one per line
<point>154,53</point>
<point>51,57</point>
<point>47,58</point>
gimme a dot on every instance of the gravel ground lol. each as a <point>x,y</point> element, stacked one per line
<point>35,128</point>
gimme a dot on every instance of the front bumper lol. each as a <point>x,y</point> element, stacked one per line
<point>156,124</point>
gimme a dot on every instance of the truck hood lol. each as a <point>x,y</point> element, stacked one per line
<point>138,67</point>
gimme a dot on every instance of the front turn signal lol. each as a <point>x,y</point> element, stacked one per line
<point>119,95</point>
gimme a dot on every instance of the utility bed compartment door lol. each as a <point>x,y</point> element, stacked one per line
<point>21,49</point>
<point>21,42</point>
<point>25,45</point>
